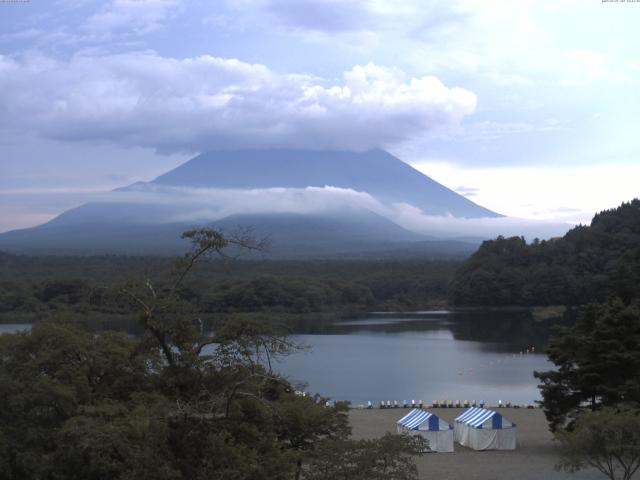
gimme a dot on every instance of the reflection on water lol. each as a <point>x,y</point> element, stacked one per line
<point>429,355</point>
<point>13,327</point>
<point>424,355</point>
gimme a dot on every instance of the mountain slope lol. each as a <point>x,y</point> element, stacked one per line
<point>337,235</point>
<point>375,172</point>
<point>222,189</point>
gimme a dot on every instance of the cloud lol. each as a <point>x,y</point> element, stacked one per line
<point>197,104</point>
<point>413,219</point>
<point>167,204</point>
<point>194,204</point>
<point>558,193</point>
<point>330,17</point>
<point>467,191</point>
<point>208,204</point>
<point>129,16</point>
<point>485,38</point>
<point>322,15</point>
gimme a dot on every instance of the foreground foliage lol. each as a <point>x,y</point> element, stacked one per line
<point>174,403</point>
<point>76,405</point>
<point>597,360</point>
<point>607,440</point>
<point>389,458</point>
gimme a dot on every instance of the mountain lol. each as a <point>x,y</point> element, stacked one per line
<point>588,264</point>
<point>375,172</point>
<point>334,235</point>
<point>348,235</point>
<point>233,189</point>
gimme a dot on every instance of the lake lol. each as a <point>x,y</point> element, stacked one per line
<point>428,355</point>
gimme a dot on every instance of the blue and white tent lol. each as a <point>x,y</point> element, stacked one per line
<point>422,422</point>
<point>483,429</point>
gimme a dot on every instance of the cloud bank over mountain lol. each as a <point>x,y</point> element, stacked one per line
<point>311,200</point>
<point>198,205</point>
<point>86,84</point>
<point>143,99</point>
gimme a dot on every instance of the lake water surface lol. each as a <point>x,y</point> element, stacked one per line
<point>433,355</point>
<point>429,355</point>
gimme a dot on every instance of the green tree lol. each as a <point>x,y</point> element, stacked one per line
<point>597,360</point>
<point>175,403</point>
<point>387,458</point>
<point>56,373</point>
<point>588,264</point>
<point>607,440</point>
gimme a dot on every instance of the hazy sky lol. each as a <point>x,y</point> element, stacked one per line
<point>528,107</point>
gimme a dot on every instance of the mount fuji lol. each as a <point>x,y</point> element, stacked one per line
<point>311,204</point>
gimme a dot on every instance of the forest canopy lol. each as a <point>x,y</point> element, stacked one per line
<point>174,402</point>
<point>35,287</point>
<point>588,264</point>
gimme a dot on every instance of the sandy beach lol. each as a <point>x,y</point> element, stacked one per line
<point>534,458</point>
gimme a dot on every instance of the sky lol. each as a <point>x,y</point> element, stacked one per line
<point>529,108</point>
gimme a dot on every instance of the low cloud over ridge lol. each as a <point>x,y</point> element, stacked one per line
<point>201,204</point>
<point>197,104</point>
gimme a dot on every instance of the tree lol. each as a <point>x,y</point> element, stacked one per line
<point>608,440</point>
<point>588,264</point>
<point>175,403</point>
<point>597,359</point>
<point>56,379</point>
<point>164,312</point>
<point>387,458</point>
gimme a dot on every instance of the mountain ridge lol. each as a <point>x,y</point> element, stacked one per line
<point>375,172</point>
<point>351,217</point>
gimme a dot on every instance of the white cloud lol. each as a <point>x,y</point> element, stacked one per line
<point>193,204</point>
<point>198,205</point>
<point>568,193</point>
<point>413,219</point>
<point>196,104</point>
<point>508,43</point>
<point>348,16</point>
<point>329,16</point>
<point>466,191</point>
<point>368,26</point>
<point>489,131</point>
<point>206,204</point>
<point>129,16</point>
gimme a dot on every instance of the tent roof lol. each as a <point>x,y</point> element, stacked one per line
<point>415,418</point>
<point>475,417</point>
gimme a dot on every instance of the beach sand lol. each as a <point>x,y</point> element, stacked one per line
<point>533,459</point>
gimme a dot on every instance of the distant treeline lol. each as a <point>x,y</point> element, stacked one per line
<point>31,287</point>
<point>588,264</point>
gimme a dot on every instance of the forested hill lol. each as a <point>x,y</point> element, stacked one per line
<point>586,265</point>
<point>33,288</point>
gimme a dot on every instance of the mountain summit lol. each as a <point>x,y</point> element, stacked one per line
<point>310,203</point>
<point>375,172</point>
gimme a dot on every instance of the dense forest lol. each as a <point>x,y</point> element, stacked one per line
<point>154,406</point>
<point>592,394</point>
<point>33,287</point>
<point>587,265</point>
<point>79,405</point>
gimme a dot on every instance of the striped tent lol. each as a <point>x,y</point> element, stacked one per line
<point>422,422</point>
<point>483,429</point>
